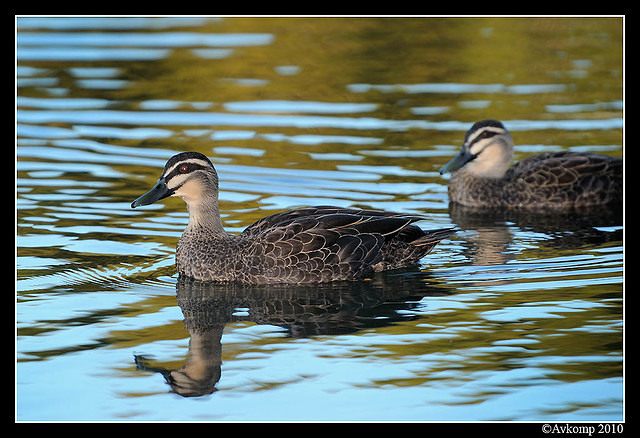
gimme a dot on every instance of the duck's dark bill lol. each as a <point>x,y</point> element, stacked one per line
<point>158,192</point>
<point>457,162</point>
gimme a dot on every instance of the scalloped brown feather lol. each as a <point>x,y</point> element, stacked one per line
<point>308,245</point>
<point>551,180</point>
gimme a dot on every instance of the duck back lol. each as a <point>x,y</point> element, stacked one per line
<point>550,180</point>
<point>309,245</point>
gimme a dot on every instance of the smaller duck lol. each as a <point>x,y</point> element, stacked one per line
<point>307,245</point>
<point>481,176</point>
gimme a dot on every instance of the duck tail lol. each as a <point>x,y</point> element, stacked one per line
<point>432,237</point>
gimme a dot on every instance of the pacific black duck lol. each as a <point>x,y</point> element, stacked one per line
<point>481,176</point>
<point>308,245</point>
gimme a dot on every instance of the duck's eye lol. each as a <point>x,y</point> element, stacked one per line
<point>487,134</point>
<point>184,168</point>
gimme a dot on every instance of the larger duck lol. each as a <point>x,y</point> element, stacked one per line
<point>481,176</point>
<point>308,245</point>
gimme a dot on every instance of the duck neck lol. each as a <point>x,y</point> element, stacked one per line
<point>204,214</point>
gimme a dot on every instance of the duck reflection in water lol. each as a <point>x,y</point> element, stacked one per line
<point>488,233</point>
<point>323,309</point>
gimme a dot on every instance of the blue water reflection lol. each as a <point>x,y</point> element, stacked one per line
<point>297,121</point>
<point>164,39</point>
<point>113,23</point>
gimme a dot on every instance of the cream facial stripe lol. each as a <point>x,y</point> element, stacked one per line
<point>173,176</point>
<point>193,163</point>
<point>472,138</point>
<point>176,181</point>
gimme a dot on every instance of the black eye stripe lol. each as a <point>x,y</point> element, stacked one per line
<point>177,170</point>
<point>487,134</point>
<point>482,135</point>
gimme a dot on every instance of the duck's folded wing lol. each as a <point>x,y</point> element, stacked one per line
<point>325,246</point>
<point>285,217</point>
<point>565,176</point>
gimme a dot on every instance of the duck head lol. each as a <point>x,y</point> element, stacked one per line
<point>487,151</point>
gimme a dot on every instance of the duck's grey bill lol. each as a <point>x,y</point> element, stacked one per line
<point>457,162</point>
<point>158,192</point>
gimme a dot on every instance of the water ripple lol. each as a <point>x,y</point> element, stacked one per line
<point>212,119</point>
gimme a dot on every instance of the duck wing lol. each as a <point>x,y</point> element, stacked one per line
<point>278,219</point>
<point>569,178</point>
<point>325,243</point>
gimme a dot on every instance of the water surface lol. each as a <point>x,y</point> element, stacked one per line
<point>515,318</point>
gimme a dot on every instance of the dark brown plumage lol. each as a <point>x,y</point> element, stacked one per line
<point>309,245</point>
<point>562,180</point>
